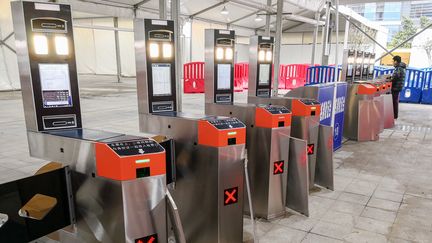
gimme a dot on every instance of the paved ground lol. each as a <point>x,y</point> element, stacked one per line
<point>382,191</point>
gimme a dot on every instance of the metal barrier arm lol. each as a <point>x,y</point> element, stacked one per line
<point>175,218</point>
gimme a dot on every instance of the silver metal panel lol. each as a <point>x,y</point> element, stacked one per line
<point>351,113</point>
<point>324,167</point>
<point>368,124</point>
<point>253,65</point>
<point>388,111</point>
<point>24,65</point>
<point>379,104</point>
<point>209,65</point>
<point>141,66</point>
<point>78,154</point>
<point>145,208</point>
<point>298,177</point>
<point>231,174</point>
<point>307,128</point>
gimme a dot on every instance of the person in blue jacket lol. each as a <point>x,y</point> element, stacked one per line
<point>398,79</point>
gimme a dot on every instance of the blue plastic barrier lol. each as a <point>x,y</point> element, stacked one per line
<point>412,91</point>
<point>382,70</point>
<point>320,74</point>
<point>427,86</point>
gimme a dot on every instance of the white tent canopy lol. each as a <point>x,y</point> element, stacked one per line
<point>94,28</point>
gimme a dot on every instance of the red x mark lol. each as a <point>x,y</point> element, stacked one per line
<point>230,196</point>
<point>278,167</point>
<point>151,240</point>
<point>147,239</point>
<point>310,149</point>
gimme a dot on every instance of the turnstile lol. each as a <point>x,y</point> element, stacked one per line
<point>209,150</point>
<point>267,127</point>
<point>362,112</point>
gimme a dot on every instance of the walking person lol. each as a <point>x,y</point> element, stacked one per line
<point>398,80</point>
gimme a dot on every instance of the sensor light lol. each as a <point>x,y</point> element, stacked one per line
<point>154,50</point>
<point>61,45</point>
<point>261,55</point>
<point>219,53</point>
<point>40,43</point>
<point>167,50</point>
<point>268,56</point>
<point>229,54</point>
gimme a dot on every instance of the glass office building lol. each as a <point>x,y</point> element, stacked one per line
<point>390,14</point>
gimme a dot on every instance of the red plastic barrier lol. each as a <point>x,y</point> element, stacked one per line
<point>293,75</point>
<point>193,77</point>
<point>241,76</point>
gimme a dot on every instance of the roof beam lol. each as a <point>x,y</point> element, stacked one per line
<point>247,16</point>
<point>208,8</point>
<point>140,3</point>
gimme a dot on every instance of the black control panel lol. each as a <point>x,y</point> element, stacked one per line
<point>135,147</point>
<point>228,123</point>
<point>273,109</point>
<point>309,102</point>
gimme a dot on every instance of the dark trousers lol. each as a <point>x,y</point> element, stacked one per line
<point>395,95</point>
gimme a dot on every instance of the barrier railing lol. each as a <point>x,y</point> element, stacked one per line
<point>427,86</point>
<point>382,70</point>
<point>193,77</point>
<point>292,75</point>
<point>241,76</point>
<point>321,74</point>
<point>412,90</point>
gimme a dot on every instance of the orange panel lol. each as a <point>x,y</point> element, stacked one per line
<point>110,165</point>
<point>366,89</point>
<point>264,118</point>
<point>301,109</point>
<point>209,135</point>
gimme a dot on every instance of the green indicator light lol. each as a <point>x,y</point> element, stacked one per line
<point>140,161</point>
<point>232,133</point>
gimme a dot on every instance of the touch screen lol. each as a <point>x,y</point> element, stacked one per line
<point>223,76</point>
<point>55,84</point>
<point>264,74</point>
<point>161,77</point>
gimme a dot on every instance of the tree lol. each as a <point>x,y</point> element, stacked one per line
<point>408,29</point>
<point>424,22</point>
<point>358,40</point>
<point>427,45</point>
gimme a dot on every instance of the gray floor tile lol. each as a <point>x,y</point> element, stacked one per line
<point>332,230</point>
<point>314,238</point>
<point>361,236</point>
<point>383,204</point>
<point>373,225</point>
<point>379,214</point>
<point>283,234</point>
<point>354,198</point>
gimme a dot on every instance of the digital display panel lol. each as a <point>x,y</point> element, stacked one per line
<point>264,74</point>
<point>223,76</point>
<point>161,79</point>
<point>55,84</point>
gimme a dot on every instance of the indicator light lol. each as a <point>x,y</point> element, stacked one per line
<point>310,149</point>
<point>232,133</point>
<point>40,43</point>
<point>61,45</point>
<point>167,50</point>
<point>278,167</point>
<point>154,50</point>
<point>140,161</point>
<point>219,53</point>
<point>230,196</point>
<point>229,54</point>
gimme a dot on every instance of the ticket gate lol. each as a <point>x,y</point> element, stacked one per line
<point>362,112</point>
<point>324,94</point>
<point>305,115</point>
<point>117,182</point>
<point>209,150</point>
<point>267,127</point>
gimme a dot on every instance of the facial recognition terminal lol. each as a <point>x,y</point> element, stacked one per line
<point>261,51</point>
